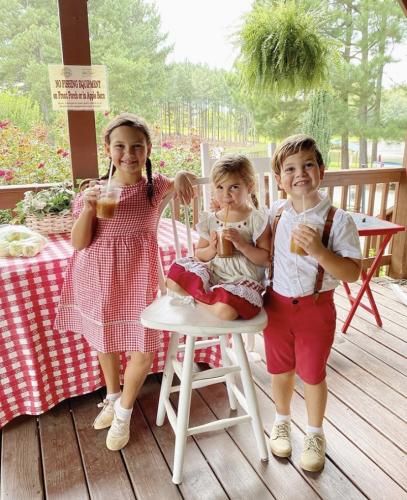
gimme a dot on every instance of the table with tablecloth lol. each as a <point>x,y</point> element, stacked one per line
<point>39,367</point>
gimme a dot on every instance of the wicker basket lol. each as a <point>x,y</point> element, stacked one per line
<point>50,223</point>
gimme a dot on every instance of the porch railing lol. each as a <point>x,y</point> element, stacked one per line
<point>381,192</point>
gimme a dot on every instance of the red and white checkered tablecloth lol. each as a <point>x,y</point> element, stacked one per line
<point>39,367</point>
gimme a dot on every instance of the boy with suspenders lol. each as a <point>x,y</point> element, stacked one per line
<point>299,299</point>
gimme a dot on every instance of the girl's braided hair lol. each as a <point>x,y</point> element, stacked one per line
<point>127,120</point>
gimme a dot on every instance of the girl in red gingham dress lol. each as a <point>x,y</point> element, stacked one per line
<point>113,273</point>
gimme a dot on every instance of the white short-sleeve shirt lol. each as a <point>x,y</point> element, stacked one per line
<point>294,275</point>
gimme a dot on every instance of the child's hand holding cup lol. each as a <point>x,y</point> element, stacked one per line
<point>108,200</point>
<point>301,237</point>
<point>225,246</point>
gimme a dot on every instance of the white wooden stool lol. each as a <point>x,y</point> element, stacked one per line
<point>168,313</point>
<point>180,318</point>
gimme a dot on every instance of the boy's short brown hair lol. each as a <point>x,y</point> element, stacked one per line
<point>293,145</point>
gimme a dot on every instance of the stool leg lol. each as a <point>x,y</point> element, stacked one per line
<point>251,398</point>
<point>168,375</point>
<point>184,404</point>
<point>230,379</point>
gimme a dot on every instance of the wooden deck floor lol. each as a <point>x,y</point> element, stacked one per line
<point>59,455</point>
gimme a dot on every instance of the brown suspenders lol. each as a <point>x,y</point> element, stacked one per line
<point>325,238</point>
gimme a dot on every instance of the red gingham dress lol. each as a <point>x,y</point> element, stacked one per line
<point>110,282</point>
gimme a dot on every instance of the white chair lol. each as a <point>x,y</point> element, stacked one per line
<point>266,190</point>
<point>262,167</point>
<point>167,313</point>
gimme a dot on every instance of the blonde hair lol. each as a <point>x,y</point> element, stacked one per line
<point>293,145</point>
<point>238,165</point>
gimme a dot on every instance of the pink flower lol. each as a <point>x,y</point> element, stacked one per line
<point>4,123</point>
<point>65,154</point>
<point>9,175</point>
<point>18,163</point>
<point>162,164</point>
<point>41,164</point>
<point>2,173</point>
<point>106,113</point>
<point>166,145</point>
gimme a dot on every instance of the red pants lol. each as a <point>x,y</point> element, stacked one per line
<point>299,334</point>
<point>193,284</point>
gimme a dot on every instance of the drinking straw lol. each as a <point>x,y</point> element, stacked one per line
<point>110,175</point>
<point>303,209</point>
<point>226,214</point>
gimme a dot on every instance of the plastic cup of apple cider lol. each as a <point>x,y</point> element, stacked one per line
<point>294,248</point>
<point>108,201</point>
<point>224,247</point>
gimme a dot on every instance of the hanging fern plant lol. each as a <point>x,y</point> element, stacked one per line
<point>281,48</point>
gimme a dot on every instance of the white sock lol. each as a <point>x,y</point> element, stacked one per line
<point>113,396</point>
<point>282,418</point>
<point>122,413</point>
<point>314,430</point>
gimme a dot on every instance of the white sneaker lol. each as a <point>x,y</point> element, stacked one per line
<point>280,439</point>
<point>313,454</point>
<point>119,434</point>
<point>105,417</point>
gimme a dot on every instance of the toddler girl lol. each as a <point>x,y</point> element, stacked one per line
<point>113,273</point>
<point>228,287</point>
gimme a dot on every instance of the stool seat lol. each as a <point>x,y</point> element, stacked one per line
<point>192,321</point>
<point>169,313</point>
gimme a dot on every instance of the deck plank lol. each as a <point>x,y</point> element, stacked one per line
<point>199,483</point>
<point>328,484</point>
<point>373,482</point>
<point>105,471</point>
<point>356,334</point>
<point>375,414</point>
<point>370,427</point>
<point>147,468</point>
<point>231,467</point>
<point>369,384</point>
<point>63,472</point>
<point>21,468</point>
<point>390,334</point>
<point>373,365</point>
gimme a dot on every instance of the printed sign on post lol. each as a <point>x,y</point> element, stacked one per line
<point>78,87</point>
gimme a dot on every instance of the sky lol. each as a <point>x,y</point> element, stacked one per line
<point>202,30</point>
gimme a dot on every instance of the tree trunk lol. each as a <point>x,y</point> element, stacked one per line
<point>345,151</point>
<point>345,92</point>
<point>364,90</point>
<point>379,79</point>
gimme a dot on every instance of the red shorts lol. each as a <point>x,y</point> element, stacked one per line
<point>299,334</point>
<point>194,285</point>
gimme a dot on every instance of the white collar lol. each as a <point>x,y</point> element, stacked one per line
<point>323,205</point>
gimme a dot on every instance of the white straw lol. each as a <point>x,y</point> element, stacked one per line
<point>303,208</point>
<point>110,175</point>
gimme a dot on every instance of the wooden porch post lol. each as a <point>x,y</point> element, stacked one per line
<point>73,19</point>
<point>398,267</point>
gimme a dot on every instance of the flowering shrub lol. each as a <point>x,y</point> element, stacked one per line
<point>28,158</point>
<point>55,200</point>
<point>169,159</point>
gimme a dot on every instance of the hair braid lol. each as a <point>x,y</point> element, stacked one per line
<point>150,186</point>
<point>255,201</point>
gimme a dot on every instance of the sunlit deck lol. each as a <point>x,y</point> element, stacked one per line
<point>59,455</point>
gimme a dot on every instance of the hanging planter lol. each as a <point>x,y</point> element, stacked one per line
<point>282,49</point>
